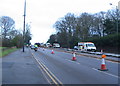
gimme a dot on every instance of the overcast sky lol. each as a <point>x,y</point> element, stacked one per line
<point>42,14</point>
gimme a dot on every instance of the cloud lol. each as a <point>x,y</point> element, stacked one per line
<point>44,13</point>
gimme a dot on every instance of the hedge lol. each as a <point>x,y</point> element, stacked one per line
<point>106,41</point>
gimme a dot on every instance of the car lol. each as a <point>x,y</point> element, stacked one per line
<point>75,47</point>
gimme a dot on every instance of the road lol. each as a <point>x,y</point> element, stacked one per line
<point>83,71</point>
<point>58,68</point>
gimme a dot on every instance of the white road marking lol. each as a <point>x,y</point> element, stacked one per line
<point>106,73</point>
<point>72,61</point>
<point>96,69</point>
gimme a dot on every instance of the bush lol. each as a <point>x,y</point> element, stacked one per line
<point>109,41</point>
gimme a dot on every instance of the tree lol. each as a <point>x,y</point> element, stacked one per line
<point>7,25</point>
<point>27,34</point>
<point>66,27</point>
<point>52,39</point>
<point>72,29</point>
<point>112,21</point>
<point>17,40</point>
<point>84,23</point>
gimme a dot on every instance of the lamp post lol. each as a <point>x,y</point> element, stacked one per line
<point>117,13</point>
<point>116,19</point>
<point>24,25</point>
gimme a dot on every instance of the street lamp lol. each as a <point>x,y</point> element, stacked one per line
<point>117,17</point>
<point>24,25</point>
<point>117,12</point>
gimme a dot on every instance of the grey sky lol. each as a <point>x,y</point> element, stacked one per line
<point>42,14</point>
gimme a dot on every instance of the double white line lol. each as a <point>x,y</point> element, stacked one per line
<point>54,79</point>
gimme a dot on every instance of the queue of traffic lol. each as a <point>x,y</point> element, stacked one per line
<point>82,46</point>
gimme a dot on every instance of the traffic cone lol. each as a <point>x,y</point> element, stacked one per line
<point>52,52</point>
<point>103,66</point>
<point>74,58</point>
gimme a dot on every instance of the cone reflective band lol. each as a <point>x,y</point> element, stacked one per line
<point>73,54</point>
<point>103,61</point>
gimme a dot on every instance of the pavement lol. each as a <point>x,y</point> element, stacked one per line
<point>20,68</point>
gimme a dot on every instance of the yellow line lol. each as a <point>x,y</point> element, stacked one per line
<point>46,70</point>
<point>48,73</point>
<point>54,76</point>
<point>44,75</point>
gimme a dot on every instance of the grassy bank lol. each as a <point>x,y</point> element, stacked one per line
<point>7,51</point>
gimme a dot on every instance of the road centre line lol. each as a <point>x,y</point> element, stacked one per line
<point>44,75</point>
<point>40,66</point>
<point>49,73</point>
<point>53,75</point>
<point>106,73</point>
<point>46,71</point>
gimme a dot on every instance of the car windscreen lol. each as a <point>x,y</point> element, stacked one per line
<point>90,45</point>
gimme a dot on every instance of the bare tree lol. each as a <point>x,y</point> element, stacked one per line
<point>6,24</point>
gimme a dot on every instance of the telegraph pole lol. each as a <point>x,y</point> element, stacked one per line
<point>24,25</point>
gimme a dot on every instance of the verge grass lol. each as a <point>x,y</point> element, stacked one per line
<point>6,52</point>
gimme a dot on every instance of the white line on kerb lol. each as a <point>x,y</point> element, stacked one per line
<point>106,73</point>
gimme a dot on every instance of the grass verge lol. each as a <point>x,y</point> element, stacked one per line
<point>6,52</point>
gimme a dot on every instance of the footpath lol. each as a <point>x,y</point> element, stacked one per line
<point>21,68</point>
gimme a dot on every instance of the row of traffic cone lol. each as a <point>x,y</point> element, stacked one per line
<point>51,52</point>
<point>103,66</point>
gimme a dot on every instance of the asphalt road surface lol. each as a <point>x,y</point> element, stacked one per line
<point>42,67</point>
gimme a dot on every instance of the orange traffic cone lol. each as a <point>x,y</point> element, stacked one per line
<point>74,58</point>
<point>52,52</point>
<point>103,66</point>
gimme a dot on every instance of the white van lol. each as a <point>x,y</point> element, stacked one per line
<point>86,46</point>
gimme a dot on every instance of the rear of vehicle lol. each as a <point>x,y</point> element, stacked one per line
<point>48,45</point>
<point>56,45</point>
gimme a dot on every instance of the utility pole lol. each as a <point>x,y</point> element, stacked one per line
<point>24,25</point>
<point>117,13</point>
